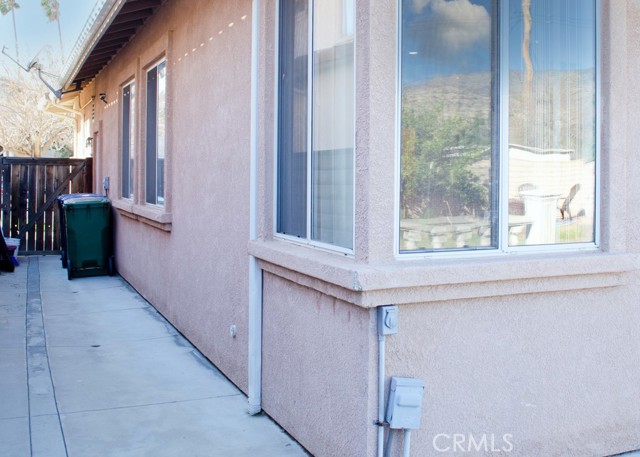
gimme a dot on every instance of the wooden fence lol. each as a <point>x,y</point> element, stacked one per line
<point>28,202</point>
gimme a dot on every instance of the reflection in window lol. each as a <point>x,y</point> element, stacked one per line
<point>447,153</point>
<point>451,194</point>
<point>552,119</point>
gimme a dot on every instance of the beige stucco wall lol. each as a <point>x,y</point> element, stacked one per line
<point>317,359</point>
<point>554,371</point>
<point>196,273</point>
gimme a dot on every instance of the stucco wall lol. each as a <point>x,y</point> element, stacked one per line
<point>554,372</point>
<point>318,353</point>
<point>196,274</point>
<point>540,347</point>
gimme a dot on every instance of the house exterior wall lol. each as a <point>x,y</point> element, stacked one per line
<point>317,359</point>
<point>534,353</point>
<point>541,347</point>
<point>196,273</point>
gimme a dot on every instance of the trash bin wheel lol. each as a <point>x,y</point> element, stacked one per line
<point>69,269</point>
<point>110,266</point>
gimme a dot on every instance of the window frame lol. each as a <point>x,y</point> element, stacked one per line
<point>307,240</point>
<point>137,209</point>
<point>147,153</point>
<point>501,101</point>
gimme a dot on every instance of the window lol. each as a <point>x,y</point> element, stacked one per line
<point>498,124</point>
<point>316,122</point>
<point>156,133</point>
<point>128,139</point>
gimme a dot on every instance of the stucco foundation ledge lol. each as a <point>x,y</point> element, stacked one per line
<point>152,216</point>
<point>423,281</point>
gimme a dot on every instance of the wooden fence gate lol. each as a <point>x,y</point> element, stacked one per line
<point>28,202</point>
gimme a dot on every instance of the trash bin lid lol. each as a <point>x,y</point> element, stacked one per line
<point>89,199</point>
<point>65,197</point>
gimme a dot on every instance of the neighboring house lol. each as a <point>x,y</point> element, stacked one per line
<point>281,169</point>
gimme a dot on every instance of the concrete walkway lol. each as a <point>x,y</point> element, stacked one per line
<point>90,369</point>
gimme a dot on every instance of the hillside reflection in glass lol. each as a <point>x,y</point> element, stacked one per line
<point>453,74</point>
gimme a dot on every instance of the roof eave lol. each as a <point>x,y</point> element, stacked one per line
<point>96,26</point>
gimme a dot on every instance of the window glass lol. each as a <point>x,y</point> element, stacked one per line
<point>473,114</point>
<point>292,118</point>
<point>155,137</point>
<point>447,160</point>
<point>128,139</point>
<point>552,136</point>
<point>161,131</point>
<point>333,105</point>
<point>316,121</point>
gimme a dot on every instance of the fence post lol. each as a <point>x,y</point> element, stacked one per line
<point>6,197</point>
<point>88,175</point>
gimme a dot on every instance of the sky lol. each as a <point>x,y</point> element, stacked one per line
<point>38,36</point>
<point>447,37</point>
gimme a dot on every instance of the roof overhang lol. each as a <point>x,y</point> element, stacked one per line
<point>110,26</point>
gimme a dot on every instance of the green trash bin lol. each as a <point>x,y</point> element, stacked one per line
<point>88,236</point>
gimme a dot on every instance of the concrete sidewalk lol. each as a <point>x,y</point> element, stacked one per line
<point>90,369</point>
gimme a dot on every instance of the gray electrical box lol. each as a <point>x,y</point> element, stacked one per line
<point>388,320</point>
<point>405,403</point>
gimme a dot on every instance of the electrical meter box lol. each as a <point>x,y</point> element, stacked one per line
<point>405,403</point>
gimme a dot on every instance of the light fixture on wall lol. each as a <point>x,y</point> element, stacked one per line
<point>89,141</point>
<point>103,97</point>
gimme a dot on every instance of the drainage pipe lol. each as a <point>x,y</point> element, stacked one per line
<point>255,274</point>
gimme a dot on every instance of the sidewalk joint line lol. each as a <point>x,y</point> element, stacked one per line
<point>26,350</point>
<point>98,410</point>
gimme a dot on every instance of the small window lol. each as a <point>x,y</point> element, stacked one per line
<point>128,139</point>
<point>156,134</point>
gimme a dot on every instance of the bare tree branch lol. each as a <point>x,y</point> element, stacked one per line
<point>25,128</point>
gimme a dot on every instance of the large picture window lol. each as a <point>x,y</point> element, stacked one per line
<point>156,134</point>
<point>128,139</point>
<point>498,122</point>
<point>316,121</point>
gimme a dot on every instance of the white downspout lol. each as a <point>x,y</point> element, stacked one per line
<point>255,273</point>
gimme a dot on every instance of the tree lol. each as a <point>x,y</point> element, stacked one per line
<point>442,155</point>
<point>529,107</point>
<point>526,45</point>
<point>26,129</point>
<point>52,10</point>
<point>7,6</point>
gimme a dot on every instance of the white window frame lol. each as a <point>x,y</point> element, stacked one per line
<point>133,124</point>
<point>145,200</point>
<point>308,241</point>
